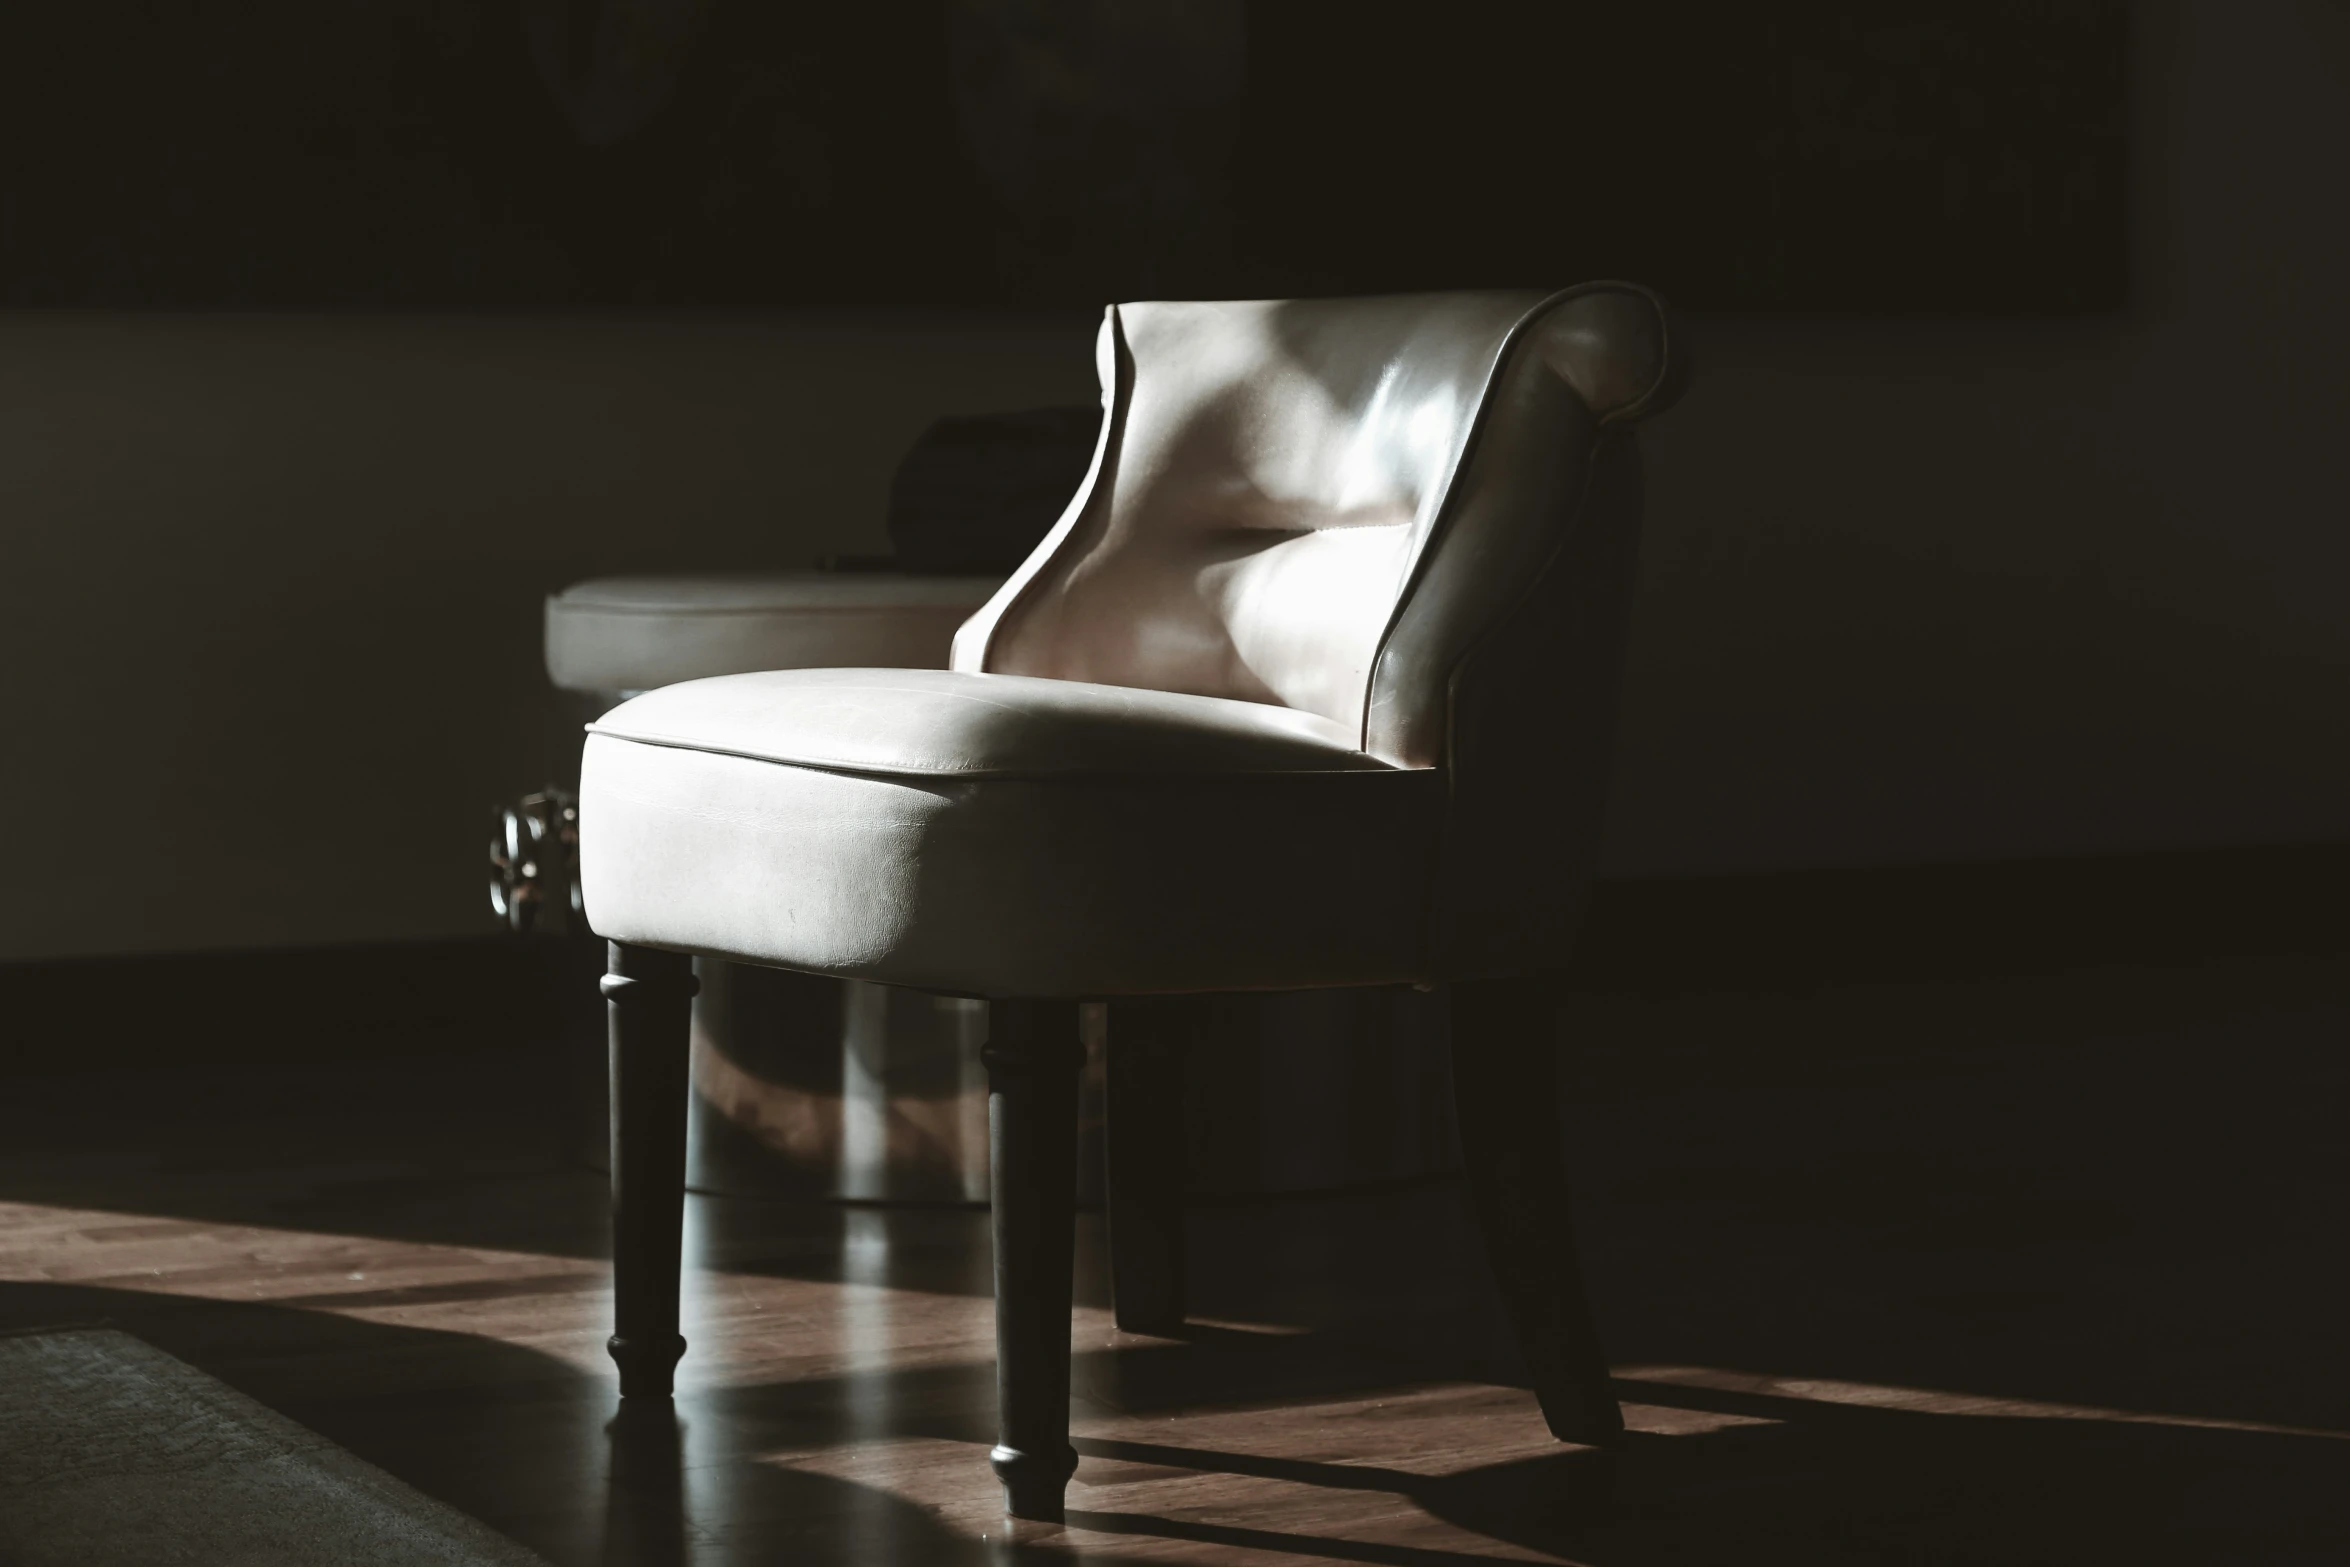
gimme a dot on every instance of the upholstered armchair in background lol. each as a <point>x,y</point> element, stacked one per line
<point>1312,685</point>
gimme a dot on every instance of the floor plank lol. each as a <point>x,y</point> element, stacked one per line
<point>2037,1269</point>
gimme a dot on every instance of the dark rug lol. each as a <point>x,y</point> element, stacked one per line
<point>112,1452</point>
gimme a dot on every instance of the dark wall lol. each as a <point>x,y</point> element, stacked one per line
<point>1911,590</point>
<point>273,582</point>
<point>1934,158</point>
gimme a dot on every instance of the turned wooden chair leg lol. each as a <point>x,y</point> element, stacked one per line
<point>1505,1044</point>
<point>650,1005</point>
<point>1033,1058</point>
<point>1143,1161</point>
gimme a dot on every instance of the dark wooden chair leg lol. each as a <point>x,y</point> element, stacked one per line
<point>1144,1157</point>
<point>1033,1057</point>
<point>650,1004</point>
<point>1505,1047</point>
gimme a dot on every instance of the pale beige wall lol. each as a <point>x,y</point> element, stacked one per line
<point>269,585</point>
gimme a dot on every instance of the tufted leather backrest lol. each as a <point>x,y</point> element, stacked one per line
<point>1415,516</point>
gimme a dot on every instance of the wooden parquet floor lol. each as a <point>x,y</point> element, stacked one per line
<point>2041,1269</point>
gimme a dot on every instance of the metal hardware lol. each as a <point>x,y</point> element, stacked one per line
<point>534,862</point>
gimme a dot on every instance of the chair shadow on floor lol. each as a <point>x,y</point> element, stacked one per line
<point>1879,1487</point>
<point>1757,1478</point>
<point>532,1446</point>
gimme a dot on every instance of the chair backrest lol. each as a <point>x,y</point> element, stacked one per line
<point>1416,516</point>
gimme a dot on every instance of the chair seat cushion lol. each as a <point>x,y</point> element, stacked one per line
<point>1004,836</point>
<point>638,633</point>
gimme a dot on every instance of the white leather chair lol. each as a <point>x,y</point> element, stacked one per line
<point>1312,685</point>
<point>610,638</point>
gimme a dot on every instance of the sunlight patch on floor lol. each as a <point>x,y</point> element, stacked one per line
<point>1328,1478</point>
<point>1930,1401</point>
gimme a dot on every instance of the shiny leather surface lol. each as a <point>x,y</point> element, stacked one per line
<point>1274,469</point>
<point>1504,658</point>
<point>1416,517</point>
<point>636,633</point>
<point>1281,484</point>
<point>1038,883</point>
<point>933,723</point>
<point>1313,683</point>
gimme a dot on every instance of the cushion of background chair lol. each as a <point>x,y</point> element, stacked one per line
<point>932,722</point>
<point>638,633</point>
<point>1005,836</point>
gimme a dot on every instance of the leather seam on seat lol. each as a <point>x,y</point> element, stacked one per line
<point>1152,775</point>
<point>698,610</point>
<point>977,699</point>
